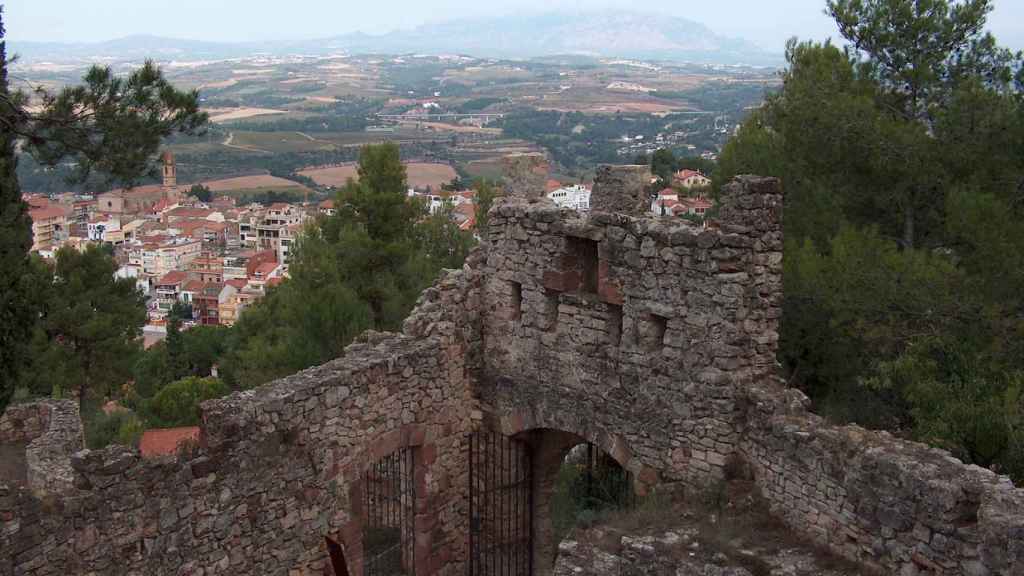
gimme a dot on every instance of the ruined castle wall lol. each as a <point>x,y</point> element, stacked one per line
<point>633,332</point>
<point>49,431</point>
<point>280,469</point>
<point>899,506</point>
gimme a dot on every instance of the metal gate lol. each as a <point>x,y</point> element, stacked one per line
<point>500,506</point>
<point>389,500</point>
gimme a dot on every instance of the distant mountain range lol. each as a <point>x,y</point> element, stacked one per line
<point>604,34</point>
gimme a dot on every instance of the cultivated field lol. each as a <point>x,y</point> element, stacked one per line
<point>221,115</point>
<point>420,174</point>
<point>262,181</point>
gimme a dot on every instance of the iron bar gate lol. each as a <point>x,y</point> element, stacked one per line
<point>607,484</point>
<point>500,506</point>
<point>389,500</point>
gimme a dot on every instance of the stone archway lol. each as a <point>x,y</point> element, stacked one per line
<point>388,480</point>
<point>550,443</point>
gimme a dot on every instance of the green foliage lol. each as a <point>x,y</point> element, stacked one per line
<point>111,125</point>
<point>477,104</point>
<point>177,404</point>
<point>16,306</point>
<point>119,427</point>
<point>200,192</point>
<point>88,332</point>
<point>485,195</point>
<point>362,268</point>
<point>904,262</point>
<point>663,164</point>
<point>959,402</point>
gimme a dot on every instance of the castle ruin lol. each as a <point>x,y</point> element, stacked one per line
<point>651,338</point>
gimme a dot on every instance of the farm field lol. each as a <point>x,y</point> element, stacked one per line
<point>420,174</point>
<point>260,182</point>
<point>240,114</point>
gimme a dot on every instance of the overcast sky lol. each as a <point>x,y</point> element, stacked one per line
<point>766,22</point>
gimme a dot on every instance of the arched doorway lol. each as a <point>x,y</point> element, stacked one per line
<point>515,486</point>
<point>389,515</point>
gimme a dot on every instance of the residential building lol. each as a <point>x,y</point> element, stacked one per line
<point>49,226</point>
<point>690,179</point>
<point>207,303</point>
<point>174,254</point>
<point>326,207</point>
<point>576,197</point>
<point>208,267</point>
<point>167,293</point>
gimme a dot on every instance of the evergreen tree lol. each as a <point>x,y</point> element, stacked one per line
<point>485,195</point>
<point>111,128</point>
<point>904,278</point>
<point>663,165</point>
<point>362,268</point>
<point>92,324</point>
<point>17,313</point>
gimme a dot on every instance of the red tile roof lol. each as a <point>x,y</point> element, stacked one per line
<point>551,185</point>
<point>46,213</point>
<point>265,268</point>
<point>193,286</point>
<point>172,277</point>
<point>238,283</point>
<point>185,212</point>
<point>164,441</point>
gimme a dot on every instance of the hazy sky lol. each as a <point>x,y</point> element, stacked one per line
<point>766,22</point>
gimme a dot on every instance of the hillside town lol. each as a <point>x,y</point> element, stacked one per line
<point>217,258</point>
<point>213,258</point>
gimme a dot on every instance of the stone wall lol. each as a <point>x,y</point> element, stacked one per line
<point>50,431</point>
<point>525,176</point>
<point>279,470</point>
<point>900,507</point>
<point>621,189</point>
<point>633,332</point>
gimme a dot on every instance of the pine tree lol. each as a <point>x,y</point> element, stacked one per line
<point>16,307</point>
<point>110,127</point>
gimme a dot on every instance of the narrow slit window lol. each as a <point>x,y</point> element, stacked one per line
<point>551,310</point>
<point>614,324</point>
<point>585,259</point>
<point>517,301</point>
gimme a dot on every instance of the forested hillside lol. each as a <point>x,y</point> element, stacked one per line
<point>904,267</point>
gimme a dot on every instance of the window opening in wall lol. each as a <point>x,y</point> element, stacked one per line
<point>614,324</point>
<point>551,309</point>
<point>517,300</point>
<point>656,328</point>
<point>583,253</point>
<point>389,500</point>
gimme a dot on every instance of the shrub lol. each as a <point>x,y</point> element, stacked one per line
<point>120,427</point>
<point>177,404</point>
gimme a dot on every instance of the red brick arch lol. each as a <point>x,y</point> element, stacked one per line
<point>612,444</point>
<point>350,536</point>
